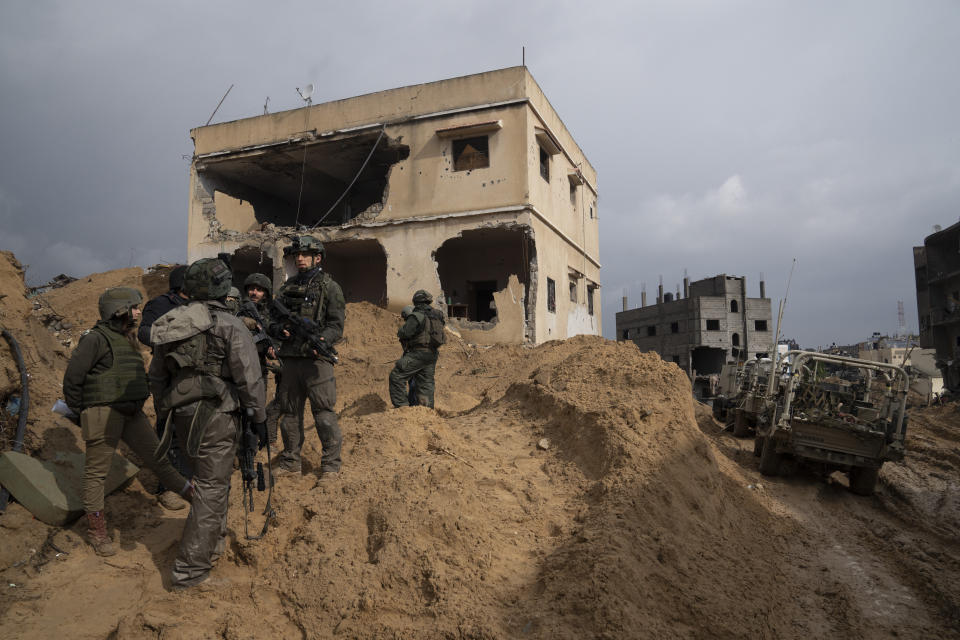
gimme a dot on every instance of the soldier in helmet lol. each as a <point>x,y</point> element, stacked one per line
<point>105,383</point>
<point>204,373</point>
<point>233,300</point>
<point>421,335</point>
<point>155,308</point>
<point>317,301</point>
<point>412,396</point>
<point>255,314</point>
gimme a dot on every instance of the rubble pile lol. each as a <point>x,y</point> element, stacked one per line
<point>567,490</point>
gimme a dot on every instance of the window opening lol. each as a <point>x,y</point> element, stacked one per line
<point>573,290</point>
<point>471,153</point>
<point>674,327</point>
<point>760,325</point>
<point>626,334</point>
<point>735,339</point>
<point>360,268</point>
<point>544,165</point>
<point>573,194</point>
<point>551,295</point>
<point>590,290</point>
<point>713,325</point>
<point>734,307</point>
<point>652,330</point>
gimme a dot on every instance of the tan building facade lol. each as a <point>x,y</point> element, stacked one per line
<point>471,188</point>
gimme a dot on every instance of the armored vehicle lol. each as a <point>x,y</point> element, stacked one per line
<point>840,413</point>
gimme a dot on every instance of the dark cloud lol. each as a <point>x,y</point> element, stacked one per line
<point>729,137</point>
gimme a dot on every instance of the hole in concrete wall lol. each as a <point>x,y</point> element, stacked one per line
<point>247,260</point>
<point>360,268</point>
<point>270,179</point>
<point>707,360</point>
<point>475,265</point>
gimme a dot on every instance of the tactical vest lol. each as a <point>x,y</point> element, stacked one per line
<point>431,334</point>
<point>307,301</point>
<point>124,381</point>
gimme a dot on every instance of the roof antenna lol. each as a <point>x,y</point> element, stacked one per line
<point>265,103</point>
<point>306,94</point>
<point>218,106</point>
<point>524,56</point>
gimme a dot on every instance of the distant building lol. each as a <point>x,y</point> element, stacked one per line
<point>937,269</point>
<point>712,324</point>
<point>471,188</point>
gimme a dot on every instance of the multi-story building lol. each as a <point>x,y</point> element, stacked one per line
<point>471,188</point>
<point>712,323</point>
<point>937,269</point>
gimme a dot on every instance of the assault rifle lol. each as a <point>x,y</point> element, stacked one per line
<point>249,310</point>
<point>251,470</point>
<point>303,329</point>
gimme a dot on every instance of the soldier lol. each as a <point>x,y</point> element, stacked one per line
<point>162,303</point>
<point>155,308</point>
<point>412,398</point>
<point>421,335</point>
<point>204,372</point>
<point>105,383</point>
<point>315,302</point>
<point>255,314</point>
<point>233,300</point>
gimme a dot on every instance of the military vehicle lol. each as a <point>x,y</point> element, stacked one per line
<point>743,400</point>
<point>839,413</point>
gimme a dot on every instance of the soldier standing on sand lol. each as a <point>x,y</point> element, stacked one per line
<point>422,334</point>
<point>316,300</point>
<point>106,385</point>
<point>258,290</point>
<point>154,309</point>
<point>204,372</point>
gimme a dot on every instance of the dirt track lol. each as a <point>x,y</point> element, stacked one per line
<point>640,519</point>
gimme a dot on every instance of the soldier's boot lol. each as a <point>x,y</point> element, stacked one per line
<point>98,536</point>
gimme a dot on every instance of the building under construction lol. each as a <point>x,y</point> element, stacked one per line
<point>937,269</point>
<point>471,188</point>
<point>710,323</point>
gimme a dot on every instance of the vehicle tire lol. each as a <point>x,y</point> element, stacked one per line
<point>740,426</point>
<point>863,480</point>
<point>769,458</point>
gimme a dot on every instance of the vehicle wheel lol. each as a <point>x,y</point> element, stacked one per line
<point>740,426</point>
<point>863,480</point>
<point>769,458</point>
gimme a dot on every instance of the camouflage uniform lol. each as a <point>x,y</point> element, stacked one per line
<point>204,372</point>
<point>263,342</point>
<point>419,359</point>
<point>311,294</point>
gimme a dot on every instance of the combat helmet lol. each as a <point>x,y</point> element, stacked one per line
<point>207,279</point>
<point>422,297</point>
<point>305,244</point>
<point>176,277</point>
<point>258,280</point>
<point>118,301</point>
<point>406,311</point>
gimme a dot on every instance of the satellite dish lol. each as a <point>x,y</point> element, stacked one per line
<point>306,93</point>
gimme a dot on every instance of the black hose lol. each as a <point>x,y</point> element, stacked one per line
<point>24,408</point>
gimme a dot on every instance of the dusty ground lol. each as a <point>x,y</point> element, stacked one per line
<point>640,518</point>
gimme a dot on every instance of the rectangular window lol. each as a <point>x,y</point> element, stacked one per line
<point>676,359</point>
<point>713,325</point>
<point>674,327</point>
<point>590,290</point>
<point>652,330</point>
<point>471,153</point>
<point>626,334</point>
<point>760,325</point>
<point>591,212</point>
<point>551,295</point>
<point>573,290</point>
<point>573,194</point>
<point>544,165</point>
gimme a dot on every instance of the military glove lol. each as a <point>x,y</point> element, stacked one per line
<point>260,428</point>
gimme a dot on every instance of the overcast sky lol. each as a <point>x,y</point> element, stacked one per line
<point>729,137</point>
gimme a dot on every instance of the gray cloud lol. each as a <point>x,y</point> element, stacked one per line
<point>729,137</point>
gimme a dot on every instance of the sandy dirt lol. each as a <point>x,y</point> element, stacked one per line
<point>572,490</point>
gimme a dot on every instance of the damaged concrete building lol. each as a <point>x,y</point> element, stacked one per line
<point>471,188</point>
<point>937,270</point>
<point>713,322</point>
